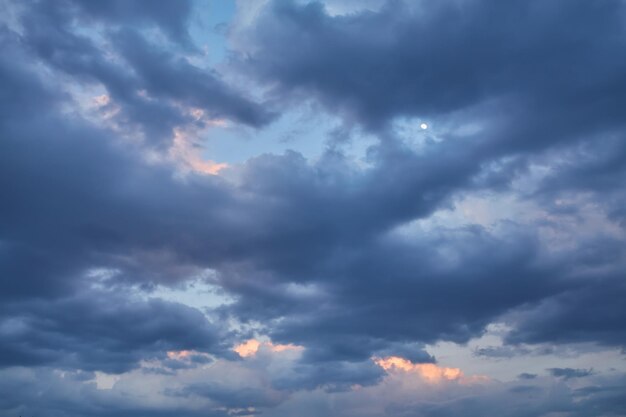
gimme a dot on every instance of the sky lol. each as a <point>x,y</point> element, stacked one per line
<point>299,208</point>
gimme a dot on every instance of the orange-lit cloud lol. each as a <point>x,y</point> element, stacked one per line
<point>252,346</point>
<point>179,354</point>
<point>247,348</point>
<point>283,348</point>
<point>428,371</point>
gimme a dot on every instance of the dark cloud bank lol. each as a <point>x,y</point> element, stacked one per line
<point>310,251</point>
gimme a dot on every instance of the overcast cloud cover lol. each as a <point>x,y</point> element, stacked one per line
<point>293,208</point>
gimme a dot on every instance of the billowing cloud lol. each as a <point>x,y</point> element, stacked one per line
<point>154,87</point>
<point>101,331</point>
<point>335,278</point>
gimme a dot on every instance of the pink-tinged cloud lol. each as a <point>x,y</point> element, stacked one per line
<point>183,151</point>
<point>180,354</point>
<point>429,372</point>
<point>247,348</point>
<point>185,355</point>
<point>252,346</point>
<point>200,116</point>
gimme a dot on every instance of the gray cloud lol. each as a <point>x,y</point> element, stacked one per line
<point>592,313</point>
<point>151,91</point>
<point>429,60</point>
<point>101,331</point>
<point>312,252</point>
<point>568,373</point>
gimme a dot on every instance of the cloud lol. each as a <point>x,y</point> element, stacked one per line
<point>101,331</point>
<point>430,60</point>
<point>430,372</point>
<point>568,373</point>
<point>295,237</point>
<point>251,347</point>
<point>164,76</point>
<point>219,390</point>
<point>591,313</point>
<point>171,18</point>
<point>333,259</point>
<point>440,302</point>
<point>155,88</point>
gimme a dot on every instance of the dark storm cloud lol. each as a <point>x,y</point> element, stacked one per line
<point>65,198</point>
<point>100,331</point>
<point>123,215</point>
<point>308,250</point>
<point>150,91</point>
<point>166,77</point>
<point>533,90</point>
<point>593,167</point>
<point>50,36</point>
<point>313,225</point>
<point>434,58</point>
<point>533,76</point>
<point>378,298</point>
<point>593,313</point>
<point>49,212</point>
<point>324,231</point>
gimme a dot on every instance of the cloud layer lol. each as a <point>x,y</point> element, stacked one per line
<point>334,278</point>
